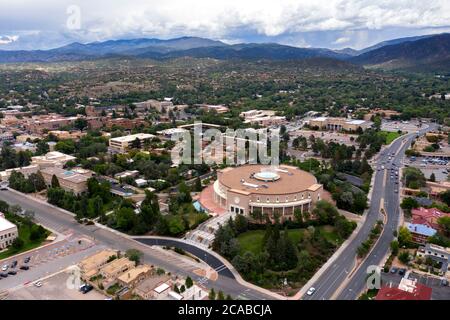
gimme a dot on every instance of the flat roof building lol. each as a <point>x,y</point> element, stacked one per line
<point>122,144</point>
<point>153,287</point>
<point>338,124</point>
<point>134,276</point>
<point>8,232</point>
<point>74,180</point>
<point>272,190</point>
<point>91,265</point>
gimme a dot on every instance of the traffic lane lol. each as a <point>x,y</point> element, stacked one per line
<point>331,280</point>
<point>44,212</point>
<point>358,282</point>
<point>204,255</point>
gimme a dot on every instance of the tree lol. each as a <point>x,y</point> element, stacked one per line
<point>55,182</point>
<point>444,223</point>
<point>42,147</point>
<point>134,255</point>
<point>404,237</point>
<point>240,224</point>
<point>325,212</point>
<point>80,124</point>
<point>189,283</point>
<point>17,243</point>
<point>394,247</point>
<point>257,215</point>
<point>432,177</point>
<point>409,203</point>
<point>198,185</point>
<point>445,196</point>
<point>212,294</point>
<point>37,181</point>
<point>220,295</point>
<point>404,257</point>
<point>298,216</point>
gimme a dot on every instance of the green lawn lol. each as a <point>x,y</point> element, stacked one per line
<point>252,240</point>
<point>390,136</point>
<point>24,234</point>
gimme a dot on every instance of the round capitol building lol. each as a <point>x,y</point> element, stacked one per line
<point>272,190</point>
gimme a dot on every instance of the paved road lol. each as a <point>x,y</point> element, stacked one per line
<point>58,220</point>
<point>335,278</point>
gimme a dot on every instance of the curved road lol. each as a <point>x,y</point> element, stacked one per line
<point>204,255</point>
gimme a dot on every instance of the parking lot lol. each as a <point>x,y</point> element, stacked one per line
<point>43,261</point>
<point>439,292</point>
<point>405,126</point>
<point>327,136</point>
<point>54,287</point>
<point>439,167</point>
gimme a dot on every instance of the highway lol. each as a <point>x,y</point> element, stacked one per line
<point>58,220</point>
<point>344,280</point>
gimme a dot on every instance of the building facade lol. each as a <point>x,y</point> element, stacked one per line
<point>272,190</point>
<point>8,232</point>
<point>122,144</point>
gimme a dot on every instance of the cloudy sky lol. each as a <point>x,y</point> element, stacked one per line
<point>43,24</point>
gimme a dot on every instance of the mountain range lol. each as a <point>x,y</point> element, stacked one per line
<point>429,51</point>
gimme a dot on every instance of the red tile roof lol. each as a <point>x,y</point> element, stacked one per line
<point>420,293</point>
<point>427,217</point>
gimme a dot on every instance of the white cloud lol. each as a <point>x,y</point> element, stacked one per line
<point>226,19</point>
<point>342,40</point>
<point>8,39</point>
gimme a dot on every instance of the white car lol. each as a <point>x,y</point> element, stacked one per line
<point>311,291</point>
<point>38,284</point>
<point>5,267</point>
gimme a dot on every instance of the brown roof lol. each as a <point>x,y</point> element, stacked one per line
<point>152,282</point>
<point>293,181</point>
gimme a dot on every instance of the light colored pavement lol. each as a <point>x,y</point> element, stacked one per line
<point>53,287</point>
<point>60,220</point>
<point>337,275</point>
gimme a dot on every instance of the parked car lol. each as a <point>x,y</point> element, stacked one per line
<point>311,291</point>
<point>38,284</point>
<point>402,272</point>
<point>14,264</point>
<point>393,270</point>
<point>5,267</point>
<point>87,288</point>
<point>3,274</point>
<point>12,272</point>
<point>27,259</point>
<point>444,282</point>
<point>24,267</point>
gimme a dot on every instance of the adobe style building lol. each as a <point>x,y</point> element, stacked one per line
<point>339,124</point>
<point>122,144</point>
<point>8,232</point>
<point>272,190</point>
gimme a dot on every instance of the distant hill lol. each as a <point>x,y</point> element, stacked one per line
<point>166,49</point>
<point>423,52</point>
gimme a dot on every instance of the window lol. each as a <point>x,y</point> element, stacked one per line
<point>257,199</point>
<point>278,200</point>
